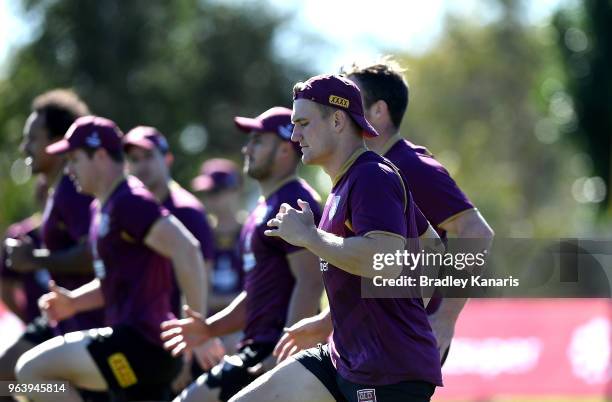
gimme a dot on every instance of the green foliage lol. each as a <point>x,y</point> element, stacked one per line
<point>186,67</point>
<point>584,36</point>
<point>481,101</point>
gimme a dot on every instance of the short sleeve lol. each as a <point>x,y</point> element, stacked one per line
<point>377,201</point>
<point>135,214</point>
<point>73,210</point>
<point>195,221</point>
<point>435,192</point>
<point>421,222</point>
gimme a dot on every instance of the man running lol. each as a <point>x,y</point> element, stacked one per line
<point>385,97</point>
<point>381,349</point>
<point>281,281</point>
<point>66,255</point>
<point>136,244</point>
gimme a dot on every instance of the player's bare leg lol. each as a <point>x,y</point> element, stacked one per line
<point>63,358</point>
<point>198,391</point>
<point>290,381</point>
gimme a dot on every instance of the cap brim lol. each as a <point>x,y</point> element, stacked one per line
<point>139,142</point>
<point>202,183</point>
<point>368,130</point>
<point>60,147</point>
<point>247,124</point>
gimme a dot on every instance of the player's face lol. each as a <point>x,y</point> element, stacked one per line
<point>35,139</point>
<point>222,202</point>
<point>148,165</point>
<point>313,132</point>
<point>82,171</point>
<point>260,155</point>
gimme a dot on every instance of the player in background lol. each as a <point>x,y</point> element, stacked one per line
<point>20,292</point>
<point>281,284</point>
<point>149,159</point>
<point>136,245</point>
<point>385,96</point>
<point>66,255</point>
<point>219,186</point>
<point>381,348</point>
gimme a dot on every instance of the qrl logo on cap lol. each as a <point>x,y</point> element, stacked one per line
<point>285,131</point>
<point>366,395</point>
<point>339,101</point>
<point>93,140</point>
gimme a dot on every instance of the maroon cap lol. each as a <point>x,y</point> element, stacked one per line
<point>89,132</point>
<point>216,174</point>
<point>338,92</point>
<point>275,120</point>
<point>146,137</point>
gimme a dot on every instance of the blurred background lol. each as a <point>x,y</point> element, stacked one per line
<point>513,97</point>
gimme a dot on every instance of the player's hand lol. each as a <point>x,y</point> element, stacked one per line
<point>57,305</point>
<point>210,353</point>
<point>304,334</point>
<point>186,333</point>
<point>291,225</point>
<point>20,254</point>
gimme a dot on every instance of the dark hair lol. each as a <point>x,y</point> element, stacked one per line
<point>117,156</point>
<point>383,80</point>
<point>60,108</point>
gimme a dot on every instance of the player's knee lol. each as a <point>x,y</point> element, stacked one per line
<point>26,369</point>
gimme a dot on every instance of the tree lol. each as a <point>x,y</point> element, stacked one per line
<point>186,67</point>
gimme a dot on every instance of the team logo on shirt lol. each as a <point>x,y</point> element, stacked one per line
<point>93,140</point>
<point>103,225</point>
<point>366,395</point>
<point>334,206</point>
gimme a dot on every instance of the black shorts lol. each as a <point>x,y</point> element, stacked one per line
<point>232,373</point>
<point>38,331</point>
<point>318,362</point>
<point>134,368</point>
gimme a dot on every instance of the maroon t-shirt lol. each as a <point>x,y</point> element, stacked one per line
<point>136,281</point>
<point>190,212</point>
<point>269,282</point>
<point>375,341</point>
<point>66,221</point>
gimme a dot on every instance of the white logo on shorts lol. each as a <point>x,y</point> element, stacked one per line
<point>366,395</point>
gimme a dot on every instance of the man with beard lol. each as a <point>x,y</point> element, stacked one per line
<point>282,284</point>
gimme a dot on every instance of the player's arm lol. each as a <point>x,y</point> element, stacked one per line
<point>304,334</point>
<point>469,224</point>
<point>192,331</point>
<point>354,254</point>
<point>169,237</point>
<point>60,303</point>
<point>306,296</point>
<point>73,260</point>
<point>231,319</point>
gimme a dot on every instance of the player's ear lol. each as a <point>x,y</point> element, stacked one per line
<point>338,120</point>
<point>169,158</point>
